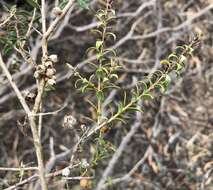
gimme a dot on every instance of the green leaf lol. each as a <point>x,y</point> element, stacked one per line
<point>105,70</point>
<point>178,67</point>
<point>84,88</point>
<point>165,62</point>
<point>99,56</point>
<point>173,57</point>
<point>76,82</point>
<point>92,64</point>
<point>98,44</point>
<point>105,79</point>
<point>111,34</point>
<point>147,95</point>
<point>100,72</point>
<point>97,31</point>
<point>120,107</point>
<point>100,96</point>
<point>33,3</point>
<point>120,119</point>
<point>145,87</point>
<point>114,76</point>
<point>161,87</point>
<point>110,50</point>
<point>166,81</point>
<point>90,49</point>
<point>84,4</point>
<point>135,109</point>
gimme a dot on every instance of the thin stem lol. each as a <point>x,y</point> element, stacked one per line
<point>31,118</point>
<point>99,107</point>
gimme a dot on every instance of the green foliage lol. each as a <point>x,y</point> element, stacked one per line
<point>84,4</point>
<point>15,29</point>
<point>104,78</point>
<point>32,3</point>
<point>104,67</point>
<point>62,4</point>
<point>104,149</point>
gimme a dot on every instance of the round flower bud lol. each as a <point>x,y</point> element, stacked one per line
<point>69,121</point>
<point>48,64</point>
<point>53,58</point>
<point>84,163</point>
<point>50,72</point>
<point>51,82</point>
<point>36,74</point>
<point>57,11</point>
<point>66,172</point>
<point>53,77</point>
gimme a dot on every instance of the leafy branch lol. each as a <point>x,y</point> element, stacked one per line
<point>105,76</point>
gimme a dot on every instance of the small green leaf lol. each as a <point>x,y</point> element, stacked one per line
<point>161,87</point>
<point>135,109</point>
<point>105,79</point>
<point>165,62</point>
<point>99,56</point>
<point>173,57</point>
<point>97,31</point>
<point>84,88</point>
<point>100,96</point>
<point>84,4</point>
<point>84,81</point>
<point>147,95</point>
<point>33,3</point>
<point>114,76</point>
<point>76,82</point>
<point>98,44</point>
<point>166,81</point>
<point>120,119</point>
<point>178,67</point>
<point>111,34</point>
<point>120,107</point>
<point>100,72</point>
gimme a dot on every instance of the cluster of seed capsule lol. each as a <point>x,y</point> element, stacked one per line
<point>47,71</point>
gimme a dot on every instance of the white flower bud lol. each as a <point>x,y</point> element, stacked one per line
<point>66,172</point>
<point>48,64</point>
<point>84,163</point>
<point>51,82</point>
<point>69,121</point>
<point>53,58</point>
<point>57,11</point>
<point>50,72</point>
<point>53,77</point>
<point>36,74</point>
